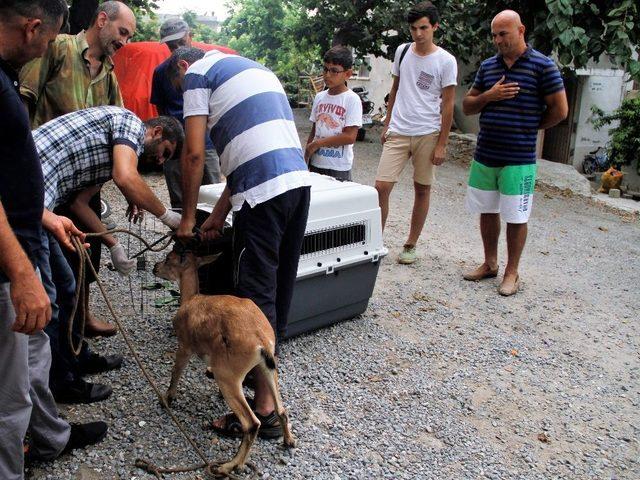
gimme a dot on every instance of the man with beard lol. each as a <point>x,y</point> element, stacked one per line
<point>75,73</point>
<point>79,152</point>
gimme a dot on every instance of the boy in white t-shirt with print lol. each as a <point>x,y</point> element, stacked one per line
<point>336,117</point>
<point>419,118</point>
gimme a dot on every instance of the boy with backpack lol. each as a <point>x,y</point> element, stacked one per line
<point>419,118</point>
<point>336,115</point>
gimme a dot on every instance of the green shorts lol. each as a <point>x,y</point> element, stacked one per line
<point>505,190</point>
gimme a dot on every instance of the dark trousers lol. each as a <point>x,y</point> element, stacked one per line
<point>267,240</point>
<point>59,283</point>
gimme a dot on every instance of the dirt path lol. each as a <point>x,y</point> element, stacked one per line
<point>439,378</point>
<point>560,359</point>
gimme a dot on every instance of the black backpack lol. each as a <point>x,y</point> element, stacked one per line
<point>403,53</point>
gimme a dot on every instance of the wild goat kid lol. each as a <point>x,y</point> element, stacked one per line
<point>233,335</point>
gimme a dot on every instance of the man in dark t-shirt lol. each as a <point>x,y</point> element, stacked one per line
<point>167,98</point>
<point>516,92</point>
<point>26,28</point>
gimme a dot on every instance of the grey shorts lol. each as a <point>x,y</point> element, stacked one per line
<point>342,175</point>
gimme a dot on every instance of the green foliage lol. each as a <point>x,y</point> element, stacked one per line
<point>270,32</point>
<point>575,30</point>
<point>147,26</point>
<point>624,143</point>
<point>201,33</point>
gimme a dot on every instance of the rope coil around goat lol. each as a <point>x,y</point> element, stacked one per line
<point>148,466</point>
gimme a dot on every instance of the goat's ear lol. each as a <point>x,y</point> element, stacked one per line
<point>206,260</point>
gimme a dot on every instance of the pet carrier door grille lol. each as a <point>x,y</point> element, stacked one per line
<point>334,239</point>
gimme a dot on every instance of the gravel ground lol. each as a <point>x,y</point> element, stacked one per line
<point>438,379</point>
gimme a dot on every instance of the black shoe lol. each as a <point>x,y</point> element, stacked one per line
<point>80,391</point>
<point>99,363</point>
<point>85,434</point>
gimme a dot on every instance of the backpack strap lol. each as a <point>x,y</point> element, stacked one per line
<point>404,52</point>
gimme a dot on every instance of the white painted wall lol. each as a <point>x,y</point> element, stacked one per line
<point>378,83</point>
<point>605,88</point>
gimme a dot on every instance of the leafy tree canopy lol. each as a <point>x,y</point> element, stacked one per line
<point>575,30</point>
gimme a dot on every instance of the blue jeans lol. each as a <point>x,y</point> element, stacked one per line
<point>60,285</point>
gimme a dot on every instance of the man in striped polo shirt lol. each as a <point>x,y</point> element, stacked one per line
<point>243,107</point>
<point>517,92</point>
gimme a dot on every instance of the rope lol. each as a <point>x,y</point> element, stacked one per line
<point>81,283</point>
<point>148,466</point>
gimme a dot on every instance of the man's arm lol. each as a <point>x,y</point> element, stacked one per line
<point>81,209</point>
<point>212,226</point>
<point>347,137</point>
<point>476,100</point>
<point>557,110</point>
<point>390,103</point>
<point>192,165</point>
<point>30,301</point>
<point>131,184</point>
<point>446,108</point>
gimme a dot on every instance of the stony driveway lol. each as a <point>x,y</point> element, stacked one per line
<point>440,378</point>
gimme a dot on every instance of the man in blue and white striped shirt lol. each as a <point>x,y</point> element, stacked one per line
<point>242,106</point>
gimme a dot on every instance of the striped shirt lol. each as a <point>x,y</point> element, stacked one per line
<point>509,128</point>
<point>76,150</point>
<point>251,124</point>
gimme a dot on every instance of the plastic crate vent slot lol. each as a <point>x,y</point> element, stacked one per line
<point>334,239</point>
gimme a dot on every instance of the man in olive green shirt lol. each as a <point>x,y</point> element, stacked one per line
<point>77,71</point>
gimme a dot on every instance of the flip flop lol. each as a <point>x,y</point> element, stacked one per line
<point>507,292</point>
<point>474,277</point>
<point>231,426</point>
<point>269,426</point>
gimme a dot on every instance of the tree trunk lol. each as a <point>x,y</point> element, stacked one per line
<point>80,14</point>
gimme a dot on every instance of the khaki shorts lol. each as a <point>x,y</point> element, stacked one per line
<point>398,149</point>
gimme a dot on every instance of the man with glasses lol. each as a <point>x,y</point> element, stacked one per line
<point>175,33</point>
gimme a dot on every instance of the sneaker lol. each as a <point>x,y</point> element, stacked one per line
<point>408,255</point>
<point>85,434</point>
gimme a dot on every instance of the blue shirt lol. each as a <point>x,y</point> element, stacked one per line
<point>251,125</point>
<point>167,98</point>
<point>509,128</point>
<point>21,180</point>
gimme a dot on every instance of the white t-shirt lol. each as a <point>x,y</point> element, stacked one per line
<point>332,113</point>
<point>416,110</point>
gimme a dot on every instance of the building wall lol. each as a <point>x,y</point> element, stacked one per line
<point>378,83</point>
<point>605,89</point>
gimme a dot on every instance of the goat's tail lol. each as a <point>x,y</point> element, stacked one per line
<point>269,361</point>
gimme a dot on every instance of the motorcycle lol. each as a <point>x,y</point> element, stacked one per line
<point>596,161</point>
<point>367,108</point>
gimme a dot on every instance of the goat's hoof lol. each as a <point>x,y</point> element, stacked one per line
<point>290,442</point>
<point>166,400</point>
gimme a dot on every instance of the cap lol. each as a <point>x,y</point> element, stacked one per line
<point>173,29</point>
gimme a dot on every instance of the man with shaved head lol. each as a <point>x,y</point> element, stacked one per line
<point>516,92</point>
